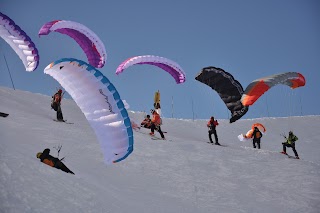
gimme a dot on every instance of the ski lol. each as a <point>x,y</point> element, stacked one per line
<point>290,156</point>
<point>160,139</point>
<point>2,114</point>
<point>217,144</point>
<point>63,121</point>
<point>156,138</point>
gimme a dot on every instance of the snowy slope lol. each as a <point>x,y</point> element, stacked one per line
<point>182,174</point>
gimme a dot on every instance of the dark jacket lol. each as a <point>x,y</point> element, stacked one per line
<point>57,98</point>
<point>56,101</point>
<point>45,155</point>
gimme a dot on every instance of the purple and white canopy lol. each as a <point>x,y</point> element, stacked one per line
<point>87,39</point>
<point>20,42</point>
<point>166,64</point>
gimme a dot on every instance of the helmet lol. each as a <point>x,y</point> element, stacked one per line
<point>290,133</point>
<point>152,111</point>
<point>60,91</point>
<point>39,154</point>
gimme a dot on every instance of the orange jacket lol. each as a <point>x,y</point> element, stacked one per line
<point>48,162</point>
<point>156,118</point>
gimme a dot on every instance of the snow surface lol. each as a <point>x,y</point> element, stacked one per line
<point>182,174</point>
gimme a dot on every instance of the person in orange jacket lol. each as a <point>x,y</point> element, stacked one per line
<point>212,130</point>
<point>46,158</point>
<point>155,123</point>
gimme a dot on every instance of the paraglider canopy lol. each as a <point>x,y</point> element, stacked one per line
<point>259,126</point>
<point>20,42</point>
<point>259,86</point>
<point>101,104</point>
<point>87,39</point>
<point>248,135</point>
<point>165,64</point>
<point>229,89</point>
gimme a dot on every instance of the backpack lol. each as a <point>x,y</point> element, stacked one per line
<point>54,106</point>
<point>258,134</point>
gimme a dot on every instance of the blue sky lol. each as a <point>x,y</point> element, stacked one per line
<point>249,39</point>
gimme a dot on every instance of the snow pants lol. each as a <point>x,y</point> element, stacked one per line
<point>290,145</point>
<point>59,113</point>
<point>214,132</point>
<point>57,108</point>
<point>256,141</point>
<point>60,165</point>
<point>158,128</point>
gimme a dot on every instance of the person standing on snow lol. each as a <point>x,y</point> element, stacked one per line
<point>290,143</point>
<point>56,104</point>
<point>155,123</point>
<point>256,137</point>
<point>212,130</point>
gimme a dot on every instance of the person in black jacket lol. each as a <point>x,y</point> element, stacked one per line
<point>56,104</point>
<point>46,158</point>
<point>212,123</point>
<point>290,142</point>
<point>256,135</point>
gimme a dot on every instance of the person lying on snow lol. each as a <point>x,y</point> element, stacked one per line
<point>52,161</point>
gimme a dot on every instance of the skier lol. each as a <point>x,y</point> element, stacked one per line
<point>155,123</point>
<point>52,161</point>
<point>146,123</point>
<point>56,104</point>
<point>212,130</point>
<point>256,137</point>
<point>290,142</point>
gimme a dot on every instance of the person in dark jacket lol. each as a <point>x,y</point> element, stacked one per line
<point>290,142</point>
<point>212,130</point>
<point>56,104</point>
<point>146,123</point>
<point>46,158</point>
<point>256,137</point>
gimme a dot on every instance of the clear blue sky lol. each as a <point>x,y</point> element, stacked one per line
<point>249,39</point>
